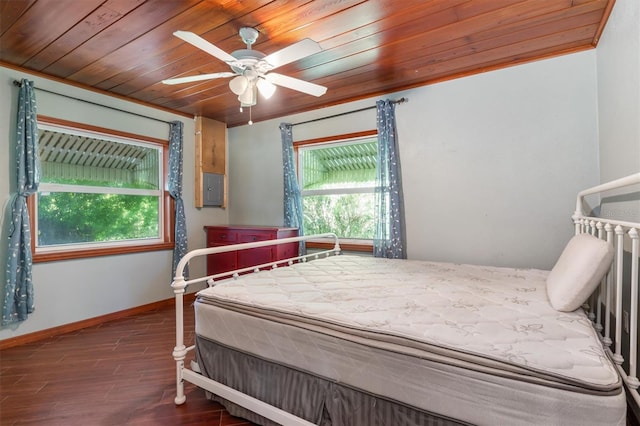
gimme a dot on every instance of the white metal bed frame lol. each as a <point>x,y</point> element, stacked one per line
<point>615,232</point>
<point>180,351</point>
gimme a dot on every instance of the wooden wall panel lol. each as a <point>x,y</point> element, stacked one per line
<point>211,153</point>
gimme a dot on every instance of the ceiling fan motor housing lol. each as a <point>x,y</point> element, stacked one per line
<point>249,59</point>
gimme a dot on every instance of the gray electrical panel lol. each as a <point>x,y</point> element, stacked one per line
<point>213,190</point>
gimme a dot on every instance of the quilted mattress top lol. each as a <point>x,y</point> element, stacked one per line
<point>487,316</point>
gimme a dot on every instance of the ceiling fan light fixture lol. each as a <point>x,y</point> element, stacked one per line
<point>248,97</point>
<point>238,85</point>
<point>266,88</point>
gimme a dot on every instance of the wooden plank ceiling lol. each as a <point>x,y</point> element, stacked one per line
<point>374,47</point>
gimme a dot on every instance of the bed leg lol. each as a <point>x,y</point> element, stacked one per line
<point>180,396</point>
<point>180,350</point>
<point>179,354</point>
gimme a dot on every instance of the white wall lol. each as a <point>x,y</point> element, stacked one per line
<point>74,290</point>
<point>491,163</point>
<point>618,67</point>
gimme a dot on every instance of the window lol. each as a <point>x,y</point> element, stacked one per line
<point>337,180</point>
<point>100,192</point>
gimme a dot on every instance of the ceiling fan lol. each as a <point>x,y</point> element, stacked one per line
<point>251,69</point>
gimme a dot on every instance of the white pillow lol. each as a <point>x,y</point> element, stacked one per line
<point>578,271</point>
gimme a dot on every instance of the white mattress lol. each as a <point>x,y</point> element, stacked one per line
<point>480,344</point>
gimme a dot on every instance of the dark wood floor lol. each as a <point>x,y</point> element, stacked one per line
<point>118,373</point>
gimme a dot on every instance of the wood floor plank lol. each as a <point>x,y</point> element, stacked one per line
<point>117,373</point>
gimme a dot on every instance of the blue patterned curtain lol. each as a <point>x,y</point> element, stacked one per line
<point>389,238</point>
<point>18,299</point>
<point>175,190</point>
<point>292,199</point>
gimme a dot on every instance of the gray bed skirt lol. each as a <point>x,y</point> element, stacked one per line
<point>313,398</point>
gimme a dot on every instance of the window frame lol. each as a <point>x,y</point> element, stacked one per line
<point>346,244</point>
<point>167,206</point>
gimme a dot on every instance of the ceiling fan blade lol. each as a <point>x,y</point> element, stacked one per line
<point>302,49</point>
<point>199,77</point>
<point>203,44</point>
<point>296,84</point>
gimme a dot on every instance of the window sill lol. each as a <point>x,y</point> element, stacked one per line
<point>346,244</point>
<point>107,251</point>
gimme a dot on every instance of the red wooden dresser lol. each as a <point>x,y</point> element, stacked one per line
<point>225,235</point>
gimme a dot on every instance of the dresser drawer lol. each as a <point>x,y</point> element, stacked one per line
<point>286,251</point>
<point>254,257</point>
<point>217,237</point>
<point>221,262</point>
<point>250,237</point>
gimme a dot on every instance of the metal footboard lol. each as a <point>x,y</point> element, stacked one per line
<point>180,351</point>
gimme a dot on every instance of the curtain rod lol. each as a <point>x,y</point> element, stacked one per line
<point>398,101</point>
<point>17,83</point>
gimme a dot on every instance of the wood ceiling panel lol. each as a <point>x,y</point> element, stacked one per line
<point>284,29</point>
<point>122,32</point>
<point>155,43</point>
<point>185,59</point>
<point>515,54</point>
<point>192,94</point>
<point>423,32</point>
<point>550,19</point>
<point>492,38</point>
<point>41,24</point>
<point>466,64</point>
<point>395,24</point>
<point>88,27</point>
<point>10,11</point>
<point>371,47</point>
<point>267,43</point>
<point>536,37</point>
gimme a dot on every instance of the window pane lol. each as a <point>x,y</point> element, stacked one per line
<point>348,215</point>
<point>67,218</point>
<point>101,191</point>
<point>86,159</point>
<point>343,165</point>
